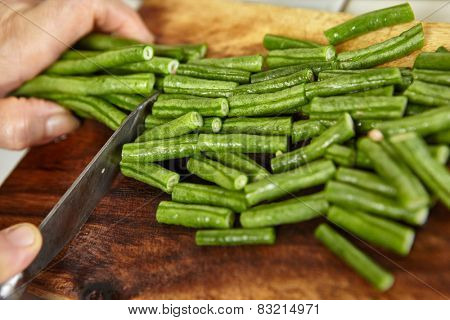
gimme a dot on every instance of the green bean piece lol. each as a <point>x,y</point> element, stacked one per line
<point>410,191</point>
<point>362,161</point>
<point>366,180</point>
<point>441,49</point>
<point>282,184</point>
<point>432,76</point>
<point>176,107</point>
<point>306,129</point>
<point>387,91</point>
<point>240,142</point>
<point>276,73</point>
<point>209,195</point>
<point>99,41</point>
<point>198,87</point>
<point>353,82</point>
<point>391,49</point>
<point>276,84</point>
<point>354,258</point>
<point>425,123</point>
<point>368,22</point>
<point>78,54</point>
<point>413,150</point>
<point>355,104</point>
<point>375,230</point>
<point>274,103</point>
<point>441,137</point>
<point>277,42</point>
<point>428,94</point>
<point>96,108</point>
<point>338,133</point>
<point>328,74</point>
<point>341,155</point>
<point>158,65</point>
<point>184,124</point>
<point>217,173</point>
<point>194,216</point>
<point>99,85</point>
<point>381,114</point>
<point>235,237</point>
<point>433,61</point>
<point>324,53</point>
<point>160,150</point>
<point>266,126</point>
<point>151,174</point>
<point>214,73</point>
<point>170,96</point>
<point>352,197</point>
<point>440,153</point>
<point>127,102</point>
<point>315,66</point>
<point>193,51</point>
<point>246,63</point>
<point>102,61</point>
<point>210,125</point>
<point>285,212</point>
<point>414,109</point>
<point>240,162</point>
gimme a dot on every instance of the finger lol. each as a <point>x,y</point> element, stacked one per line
<point>39,34</point>
<point>29,122</point>
<point>19,245</point>
<point>118,18</point>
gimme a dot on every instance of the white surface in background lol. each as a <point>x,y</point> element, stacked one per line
<point>428,10</point>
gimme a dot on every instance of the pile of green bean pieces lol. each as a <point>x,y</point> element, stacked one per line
<point>373,144</point>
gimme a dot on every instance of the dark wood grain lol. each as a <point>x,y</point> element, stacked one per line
<point>123,253</point>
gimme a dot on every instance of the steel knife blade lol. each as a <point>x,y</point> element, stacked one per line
<point>71,212</point>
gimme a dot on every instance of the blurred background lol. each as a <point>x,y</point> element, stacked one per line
<point>426,10</point>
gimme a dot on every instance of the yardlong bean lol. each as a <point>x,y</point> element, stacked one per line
<point>338,133</point>
<point>368,22</point>
<point>151,174</point>
<point>198,87</point>
<point>214,73</point>
<point>354,258</point>
<point>241,162</point>
<point>217,173</point>
<point>234,237</point>
<point>285,212</point>
<point>240,142</point>
<point>413,150</point>
<point>323,53</point>
<point>265,126</point>
<point>278,185</point>
<point>379,231</point>
<point>246,63</point>
<point>158,65</point>
<point>274,42</point>
<point>172,108</point>
<point>194,216</point>
<point>209,195</point>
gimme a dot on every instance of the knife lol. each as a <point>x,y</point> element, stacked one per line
<point>71,212</point>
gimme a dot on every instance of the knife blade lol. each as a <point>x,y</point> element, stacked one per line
<point>71,212</point>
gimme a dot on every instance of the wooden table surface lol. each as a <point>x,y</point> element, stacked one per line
<point>123,253</point>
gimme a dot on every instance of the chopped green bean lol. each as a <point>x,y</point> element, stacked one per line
<point>246,63</point>
<point>354,258</point>
<point>194,216</point>
<point>285,212</point>
<point>324,53</point>
<point>124,101</point>
<point>266,126</point>
<point>213,73</point>
<point>198,87</point>
<point>217,173</point>
<point>282,184</point>
<point>209,195</point>
<point>338,133</point>
<point>432,76</point>
<point>274,42</point>
<point>428,94</point>
<point>341,155</point>
<point>177,107</point>
<point>368,22</point>
<point>158,65</point>
<point>151,174</point>
<point>433,60</point>
<point>240,142</point>
<point>235,237</point>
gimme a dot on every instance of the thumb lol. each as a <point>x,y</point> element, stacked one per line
<point>19,245</point>
<point>29,122</point>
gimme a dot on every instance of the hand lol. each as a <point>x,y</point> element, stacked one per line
<point>33,33</point>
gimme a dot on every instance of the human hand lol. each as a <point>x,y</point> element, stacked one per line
<point>33,34</point>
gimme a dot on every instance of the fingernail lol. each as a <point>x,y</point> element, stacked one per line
<point>21,235</point>
<point>60,124</point>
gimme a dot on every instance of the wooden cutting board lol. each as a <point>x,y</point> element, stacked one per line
<point>123,253</point>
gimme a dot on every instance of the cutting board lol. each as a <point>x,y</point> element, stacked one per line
<point>123,253</point>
